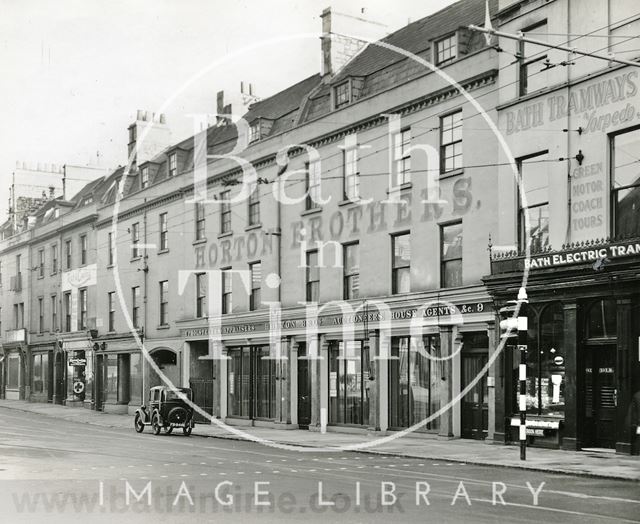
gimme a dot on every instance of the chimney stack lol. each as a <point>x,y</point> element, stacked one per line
<point>344,35</point>
<point>148,136</point>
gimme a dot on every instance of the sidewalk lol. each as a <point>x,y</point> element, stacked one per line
<point>603,465</point>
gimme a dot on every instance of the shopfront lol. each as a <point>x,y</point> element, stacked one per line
<point>42,373</point>
<point>583,357</point>
<point>251,383</point>
<point>349,377</point>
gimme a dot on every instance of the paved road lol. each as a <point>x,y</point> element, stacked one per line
<point>72,472</point>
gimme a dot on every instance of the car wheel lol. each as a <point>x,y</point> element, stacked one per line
<point>138,424</point>
<point>187,429</point>
<point>168,430</point>
<point>155,424</point>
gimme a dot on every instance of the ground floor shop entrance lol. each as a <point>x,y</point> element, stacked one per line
<point>599,396</point>
<point>304,388</point>
<point>474,410</point>
<point>251,383</point>
<point>349,383</point>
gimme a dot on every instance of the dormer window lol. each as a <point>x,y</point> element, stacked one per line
<point>144,176</point>
<point>341,95</point>
<point>254,132</point>
<point>173,165</point>
<point>446,49</point>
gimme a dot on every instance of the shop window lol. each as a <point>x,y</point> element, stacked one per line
<point>533,202</point>
<point>401,266</point>
<point>402,157</point>
<point>451,142</point>
<point>40,372</point>
<point>255,299</point>
<point>414,379</point>
<point>251,383</point>
<point>312,171</point>
<point>545,362</point>
<point>13,372</point>
<point>532,73</point>
<point>313,277</point>
<point>351,268</point>
<point>601,319</point>
<point>348,383</point>
<point>451,254</point>
<point>625,184</point>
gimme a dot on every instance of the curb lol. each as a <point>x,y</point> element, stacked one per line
<point>475,462</point>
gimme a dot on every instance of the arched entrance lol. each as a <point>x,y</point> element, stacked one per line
<point>167,361</point>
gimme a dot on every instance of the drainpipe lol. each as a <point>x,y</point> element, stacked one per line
<point>145,271</point>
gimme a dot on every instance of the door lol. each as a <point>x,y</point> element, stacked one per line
<point>304,389</point>
<point>600,396</point>
<point>59,380</point>
<point>474,409</point>
<point>203,398</point>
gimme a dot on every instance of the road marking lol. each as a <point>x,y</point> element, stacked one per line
<point>257,472</point>
<point>203,474</point>
<point>203,463</point>
<point>184,475</point>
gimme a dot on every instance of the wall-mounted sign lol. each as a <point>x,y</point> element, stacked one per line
<point>558,361</point>
<point>587,255</point>
<point>75,361</point>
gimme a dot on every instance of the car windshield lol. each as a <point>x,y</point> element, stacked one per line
<point>171,395</point>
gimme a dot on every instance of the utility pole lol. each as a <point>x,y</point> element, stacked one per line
<point>523,327</point>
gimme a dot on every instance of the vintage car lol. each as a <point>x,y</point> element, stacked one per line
<point>166,410</point>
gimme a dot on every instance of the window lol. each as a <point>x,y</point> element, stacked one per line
<point>545,362</point>
<point>54,312</point>
<point>254,206</point>
<point>451,255</point>
<point>341,95</point>
<point>200,220</point>
<point>82,303</point>
<point>67,310</point>
<point>54,259</point>
<point>414,381</point>
<point>144,177</point>
<point>67,254</point>
<point>446,49</point>
<point>402,157</point>
<point>533,202</point>
<point>226,291</point>
<point>625,184</point>
<point>111,296</point>
<point>83,250</point>
<point>254,132</point>
<point>164,302</point>
<point>351,177</point>
<point>40,315</point>
<point>135,306</point>
<point>135,240</point>
<point>401,268</point>
<point>164,232</point>
<point>173,165</point>
<point>132,134</point>
<point>533,75</point>
<point>451,142</point>
<point>19,265</point>
<point>41,263</point>
<point>351,268</point>
<point>313,277</point>
<point>312,179</point>
<point>201,295</point>
<point>111,248</point>
<point>256,285</point>
<point>225,212</point>
<point>16,316</point>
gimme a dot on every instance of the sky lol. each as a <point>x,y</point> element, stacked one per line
<point>74,72</point>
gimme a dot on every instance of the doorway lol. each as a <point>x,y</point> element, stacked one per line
<point>599,395</point>
<point>474,409</point>
<point>304,388</point>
